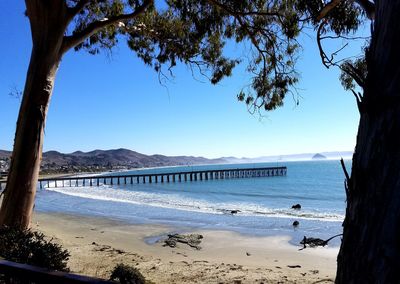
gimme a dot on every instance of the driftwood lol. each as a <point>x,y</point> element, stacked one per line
<point>192,240</point>
<point>315,242</point>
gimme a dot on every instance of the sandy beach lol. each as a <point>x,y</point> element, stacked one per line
<point>97,245</point>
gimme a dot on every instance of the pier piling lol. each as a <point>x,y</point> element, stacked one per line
<point>193,175</point>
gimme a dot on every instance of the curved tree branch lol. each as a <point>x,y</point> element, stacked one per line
<point>248,13</point>
<point>368,7</point>
<point>73,11</point>
<point>328,7</point>
<point>320,48</point>
<point>77,38</point>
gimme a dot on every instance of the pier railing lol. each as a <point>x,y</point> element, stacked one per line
<point>13,272</point>
<point>197,175</point>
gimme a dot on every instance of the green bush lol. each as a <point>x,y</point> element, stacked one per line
<point>26,246</point>
<point>126,274</point>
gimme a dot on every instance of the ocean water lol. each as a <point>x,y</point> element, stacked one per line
<point>264,203</point>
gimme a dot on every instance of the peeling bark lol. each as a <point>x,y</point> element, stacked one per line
<point>48,24</point>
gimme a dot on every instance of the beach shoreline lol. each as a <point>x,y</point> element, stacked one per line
<point>98,244</point>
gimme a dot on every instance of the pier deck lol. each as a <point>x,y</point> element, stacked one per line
<point>197,175</point>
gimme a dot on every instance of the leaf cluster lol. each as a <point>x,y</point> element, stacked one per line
<point>126,274</point>
<point>354,72</point>
<point>101,10</point>
<point>196,33</point>
<point>29,247</point>
<point>194,36</point>
<point>345,18</point>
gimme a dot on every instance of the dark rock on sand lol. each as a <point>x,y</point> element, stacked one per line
<point>313,242</point>
<point>192,240</point>
<point>169,242</point>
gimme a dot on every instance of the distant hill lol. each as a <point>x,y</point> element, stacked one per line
<point>318,156</point>
<point>5,154</point>
<point>119,158</point>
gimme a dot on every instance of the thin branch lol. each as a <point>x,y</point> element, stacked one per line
<point>346,37</point>
<point>358,97</point>
<point>338,235</point>
<point>241,22</point>
<point>336,53</point>
<point>354,73</point>
<point>328,62</point>
<point>260,13</point>
<point>249,13</point>
<point>73,40</point>
<point>345,171</point>
<point>366,5</point>
<point>73,11</point>
<point>245,26</point>
<point>321,50</point>
<point>328,7</point>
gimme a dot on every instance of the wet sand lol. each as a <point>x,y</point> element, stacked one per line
<point>97,245</point>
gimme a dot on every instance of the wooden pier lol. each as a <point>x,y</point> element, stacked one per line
<point>197,175</point>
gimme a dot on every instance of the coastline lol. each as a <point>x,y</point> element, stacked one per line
<point>98,244</point>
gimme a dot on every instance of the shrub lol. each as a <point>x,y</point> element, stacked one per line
<point>26,246</point>
<point>126,274</point>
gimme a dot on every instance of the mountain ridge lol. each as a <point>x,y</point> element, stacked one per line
<point>99,160</point>
<point>117,159</point>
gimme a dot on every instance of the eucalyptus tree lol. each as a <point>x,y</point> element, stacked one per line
<point>166,33</point>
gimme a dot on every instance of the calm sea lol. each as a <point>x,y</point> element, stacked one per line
<point>264,203</point>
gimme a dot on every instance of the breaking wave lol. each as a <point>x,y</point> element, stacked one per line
<point>178,202</point>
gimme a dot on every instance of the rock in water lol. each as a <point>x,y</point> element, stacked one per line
<point>296,206</point>
<point>229,211</point>
<point>319,156</point>
<point>296,224</point>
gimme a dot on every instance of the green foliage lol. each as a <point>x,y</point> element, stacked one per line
<point>343,19</point>
<point>354,72</point>
<point>99,11</point>
<point>195,33</point>
<point>126,274</point>
<point>177,34</point>
<point>26,246</point>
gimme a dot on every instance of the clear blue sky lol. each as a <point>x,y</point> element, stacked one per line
<point>104,103</point>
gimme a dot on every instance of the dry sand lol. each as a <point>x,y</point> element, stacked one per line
<point>97,245</point>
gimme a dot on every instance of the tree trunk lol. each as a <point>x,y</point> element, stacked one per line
<point>370,251</point>
<point>48,24</point>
